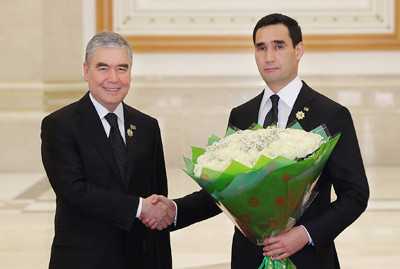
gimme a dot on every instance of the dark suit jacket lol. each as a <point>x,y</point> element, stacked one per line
<point>324,220</point>
<point>95,224</point>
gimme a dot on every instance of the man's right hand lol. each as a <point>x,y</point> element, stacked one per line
<point>158,212</point>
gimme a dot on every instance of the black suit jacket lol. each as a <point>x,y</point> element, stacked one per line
<point>323,220</point>
<point>95,224</point>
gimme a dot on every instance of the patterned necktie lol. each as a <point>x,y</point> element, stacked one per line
<point>272,116</point>
<point>117,145</point>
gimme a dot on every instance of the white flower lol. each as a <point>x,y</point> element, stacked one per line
<point>247,146</point>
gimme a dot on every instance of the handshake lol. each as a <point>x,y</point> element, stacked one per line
<point>158,212</point>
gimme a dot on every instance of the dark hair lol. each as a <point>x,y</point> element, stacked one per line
<point>276,18</point>
<point>106,39</point>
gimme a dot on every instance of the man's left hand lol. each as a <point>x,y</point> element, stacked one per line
<point>284,245</point>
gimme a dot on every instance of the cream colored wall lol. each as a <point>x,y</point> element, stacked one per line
<point>190,94</point>
<point>41,48</point>
<point>243,64</point>
<point>41,40</point>
<point>21,25</point>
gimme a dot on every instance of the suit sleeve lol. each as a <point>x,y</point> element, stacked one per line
<point>195,207</point>
<point>345,170</point>
<point>62,161</point>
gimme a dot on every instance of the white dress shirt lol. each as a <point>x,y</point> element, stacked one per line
<point>287,98</point>
<point>102,112</point>
<point>119,111</point>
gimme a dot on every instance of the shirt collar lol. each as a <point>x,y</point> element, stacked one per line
<point>102,111</point>
<point>287,94</point>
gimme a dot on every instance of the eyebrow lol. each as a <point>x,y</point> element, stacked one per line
<point>100,64</point>
<point>124,65</point>
<point>281,42</point>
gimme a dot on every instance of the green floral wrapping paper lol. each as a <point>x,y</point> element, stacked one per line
<point>267,199</point>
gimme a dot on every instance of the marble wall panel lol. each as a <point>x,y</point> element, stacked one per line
<point>20,142</point>
<point>40,40</point>
<point>190,109</point>
<point>21,40</point>
<point>62,40</point>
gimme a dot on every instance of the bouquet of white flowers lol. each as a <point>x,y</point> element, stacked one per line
<point>263,179</point>
<point>247,146</point>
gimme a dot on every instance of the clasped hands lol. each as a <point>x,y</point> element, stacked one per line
<point>158,212</point>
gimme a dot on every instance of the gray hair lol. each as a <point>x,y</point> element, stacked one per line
<point>106,39</point>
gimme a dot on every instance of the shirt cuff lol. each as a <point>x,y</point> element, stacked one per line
<point>139,208</point>
<point>176,213</point>
<point>310,241</point>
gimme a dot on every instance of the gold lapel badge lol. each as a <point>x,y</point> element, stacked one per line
<point>129,132</point>
<point>300,115</point>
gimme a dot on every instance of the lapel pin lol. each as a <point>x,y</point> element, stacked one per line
<point>300,115</point>
<point>129,132</point>
<point>305,108</point>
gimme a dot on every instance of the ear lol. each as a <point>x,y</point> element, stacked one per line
<point>299,50</point>
<point>85,71</point>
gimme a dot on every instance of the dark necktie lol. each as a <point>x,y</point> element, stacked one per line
<point>117,145</point>
<point>272,116</point>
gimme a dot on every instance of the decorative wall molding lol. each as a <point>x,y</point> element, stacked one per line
<point>184,105</point>
<point>39,96</point>
<point>19,97</point>
<point>56,95</point>
<point>206,25</point>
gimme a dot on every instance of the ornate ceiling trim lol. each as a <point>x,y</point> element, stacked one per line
<point>365,25</point>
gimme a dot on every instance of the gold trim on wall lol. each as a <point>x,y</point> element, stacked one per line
<point>336,42</point>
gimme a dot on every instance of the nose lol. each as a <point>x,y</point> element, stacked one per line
<point>269,55</point>
<point>112,76</point>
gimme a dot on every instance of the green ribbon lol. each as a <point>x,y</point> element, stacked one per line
<point>268,263</point>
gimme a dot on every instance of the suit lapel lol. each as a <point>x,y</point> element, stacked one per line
<point>302,110</point>
<point>246,115</point>
<point>254,108</point>
<point>90,122</point>
<point>131,139</point>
